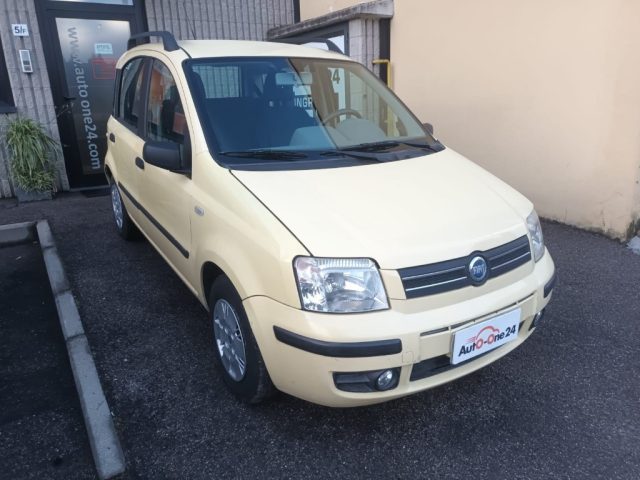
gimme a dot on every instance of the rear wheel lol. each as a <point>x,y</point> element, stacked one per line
<point>124,225</point>
<point>236,350</point>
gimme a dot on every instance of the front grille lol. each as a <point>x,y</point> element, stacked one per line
<point>453,274</point>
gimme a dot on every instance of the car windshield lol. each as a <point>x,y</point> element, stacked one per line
<point>286,111</point>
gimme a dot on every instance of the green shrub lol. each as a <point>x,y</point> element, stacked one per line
<point>31,154</point>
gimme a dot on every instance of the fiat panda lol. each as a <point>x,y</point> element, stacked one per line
<point>344,255</point>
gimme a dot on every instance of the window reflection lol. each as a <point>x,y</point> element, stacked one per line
<point>108,2</point>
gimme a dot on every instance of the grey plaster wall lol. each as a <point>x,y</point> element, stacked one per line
<point>364,41</point>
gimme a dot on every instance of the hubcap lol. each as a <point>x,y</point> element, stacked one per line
<point>228,336</point>
<point>116,204</point>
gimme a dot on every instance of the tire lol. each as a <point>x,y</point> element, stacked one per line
<point>125,227</point>
<point>232,334</point>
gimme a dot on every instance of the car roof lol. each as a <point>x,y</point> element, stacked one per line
<point>244,48</point>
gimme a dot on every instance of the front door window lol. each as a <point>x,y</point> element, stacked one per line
<point>165,116</point>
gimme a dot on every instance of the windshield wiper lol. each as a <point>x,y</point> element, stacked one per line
<point>434,147</point>
<point>358,156</point>
<point>386,145</point>
<point>269,154</point>
<point>372,147</point>
<point>360,151</point>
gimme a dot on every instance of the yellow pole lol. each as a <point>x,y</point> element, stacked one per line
<point>387,62</point>
<point>391,128</point>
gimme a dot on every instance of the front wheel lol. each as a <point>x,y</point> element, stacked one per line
<point>236,350</point>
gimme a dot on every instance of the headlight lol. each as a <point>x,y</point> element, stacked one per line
<point>339,285</point>
<point>535,232</point>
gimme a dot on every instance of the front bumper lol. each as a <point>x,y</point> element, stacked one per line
<point>302,350</point>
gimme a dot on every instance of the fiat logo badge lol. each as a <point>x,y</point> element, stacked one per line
<point>478,270</point>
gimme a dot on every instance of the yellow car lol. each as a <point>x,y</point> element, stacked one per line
<point>345,256</point>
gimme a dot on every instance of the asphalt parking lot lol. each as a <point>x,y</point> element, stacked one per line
<point>37,392</point>
<point>566,404</point>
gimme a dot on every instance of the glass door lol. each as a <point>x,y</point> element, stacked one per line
<point>90,50</point>
<point>84,45</point>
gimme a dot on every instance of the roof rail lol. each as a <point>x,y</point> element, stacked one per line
<point>168,40</point>
<point>302,40</point>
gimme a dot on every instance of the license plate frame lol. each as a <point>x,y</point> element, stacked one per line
<point>485,336</point>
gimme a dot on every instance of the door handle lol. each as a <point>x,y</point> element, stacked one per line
<point>112,137</point>
<point>139,163</point>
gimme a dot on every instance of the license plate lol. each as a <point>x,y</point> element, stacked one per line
<point>485,336</point>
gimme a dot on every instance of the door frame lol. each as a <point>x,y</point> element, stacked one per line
<point>47,11</point>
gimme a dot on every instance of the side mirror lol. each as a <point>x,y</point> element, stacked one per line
<point>165,155</point>
<point>428,127</point>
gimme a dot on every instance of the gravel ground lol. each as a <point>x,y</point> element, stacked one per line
<point>563,405</point>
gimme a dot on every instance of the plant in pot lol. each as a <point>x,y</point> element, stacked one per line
<point>32,152</point>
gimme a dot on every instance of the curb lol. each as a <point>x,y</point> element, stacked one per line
<point>17,233</point>
<point>105,445</point>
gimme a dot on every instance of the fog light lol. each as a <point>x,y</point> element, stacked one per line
<point>370,381</point>
<point>386,380</point>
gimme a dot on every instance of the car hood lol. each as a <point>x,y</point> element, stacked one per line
<point>403,213</point>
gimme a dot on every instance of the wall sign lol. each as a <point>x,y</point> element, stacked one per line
<point>20,29</point>
<point>25,61</point>
<point>103,48</point>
